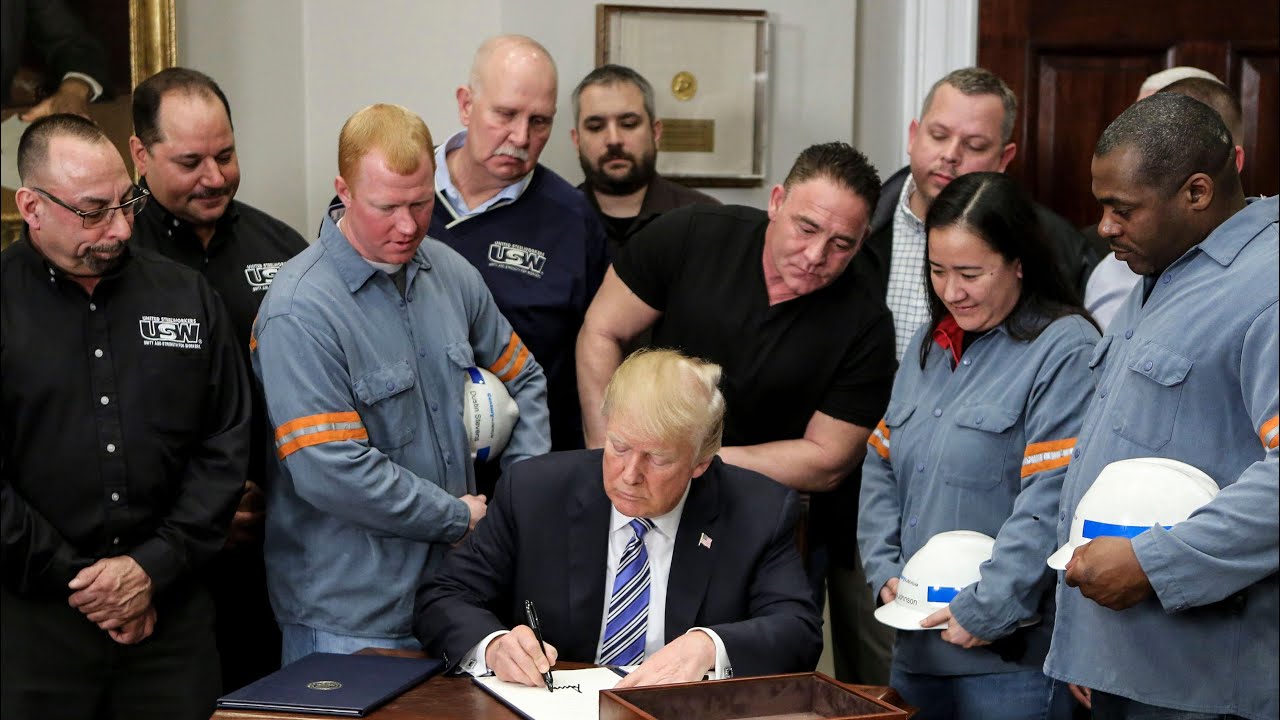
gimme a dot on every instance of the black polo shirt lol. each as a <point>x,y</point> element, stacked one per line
<point>830,351</point>
<point>125,420</point>
<point>247,248</point>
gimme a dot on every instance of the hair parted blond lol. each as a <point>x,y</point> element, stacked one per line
<point>669,397</point>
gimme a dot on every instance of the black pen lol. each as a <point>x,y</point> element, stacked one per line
<point>532,616</point>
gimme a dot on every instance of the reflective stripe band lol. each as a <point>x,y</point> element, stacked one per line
<point>512,360</point>
<point>941,594</point>
<point>879,440</point>
<point>253,342</point>
<point>1270,433</point>
<point>1047,456</point>
<point>315,429</point>
<point>476,377</point>
<point>1094,529</point>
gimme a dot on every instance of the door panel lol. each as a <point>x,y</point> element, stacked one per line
<point>1077,64</point>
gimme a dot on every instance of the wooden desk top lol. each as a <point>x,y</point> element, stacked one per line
<point>453,698</point>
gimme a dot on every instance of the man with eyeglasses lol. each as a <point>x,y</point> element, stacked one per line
<point>124,436</point>
<point>185,150</point>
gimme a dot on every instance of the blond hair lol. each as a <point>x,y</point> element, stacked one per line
<point>397,132</point>
<point>670,398</point>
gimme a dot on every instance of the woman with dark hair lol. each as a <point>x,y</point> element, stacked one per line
<point>977,436</point>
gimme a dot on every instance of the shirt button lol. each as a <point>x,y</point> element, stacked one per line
<point>115,541</point>
<point>1115,428</point>
<point>919,467</point>
<point>1128,334</point>
<point>1062,516</point>
<point>1167,279</point>
<point>912,521</point>
<point>93,306</point>
<point>435,407</point>
<point>409,297</point>
<point>978,421</point>
<point>390,386</point>
<point>1078,452</point>
<point>111,447</point>
<point>422,353</point>
<point>1147,365</point>
<point>97,352</point>
<point>966,361</point>
<point>937,412</point>
<point>1103,393</point>
<point>104,400</point>
<point>115,497</point>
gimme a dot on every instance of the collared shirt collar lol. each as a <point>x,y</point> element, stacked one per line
<point>449,191</point>
<point>352,267</point>
<point>37,261</point>
<point>177,227</point>
<point>1227,240</point>
<point>666,524</point>
<point>904,203</point>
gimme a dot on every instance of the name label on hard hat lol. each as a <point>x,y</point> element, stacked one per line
<point>1094,529</point>
<point>941,594</point>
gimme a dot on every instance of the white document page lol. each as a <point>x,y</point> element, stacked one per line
<point>576,694</point>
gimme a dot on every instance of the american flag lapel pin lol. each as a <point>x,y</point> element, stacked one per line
<point>705,541</point>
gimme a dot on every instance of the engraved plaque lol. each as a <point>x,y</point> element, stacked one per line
<point>680,135</point>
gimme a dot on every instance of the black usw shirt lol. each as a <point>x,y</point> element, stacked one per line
<point>125,420</point>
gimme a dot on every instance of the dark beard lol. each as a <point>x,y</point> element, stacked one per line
<point>99,266</point>
<point>639,176</point>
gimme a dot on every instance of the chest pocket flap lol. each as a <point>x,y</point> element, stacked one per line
<point>1160,364</point>
<point>384,382</point>
<point>991,418</point>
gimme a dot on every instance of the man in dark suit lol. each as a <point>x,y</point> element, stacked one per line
<point>694,559</point>
<point>75,63</point>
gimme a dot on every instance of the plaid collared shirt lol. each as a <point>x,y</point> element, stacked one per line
<point>907,296</point>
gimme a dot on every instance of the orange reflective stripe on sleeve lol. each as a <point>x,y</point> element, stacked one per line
<point>315,429</point>
<point>1270,433</point>
<point>879,440</point>
<point>506,368</point>
<point>253,342</point>
<point>1047,455</point>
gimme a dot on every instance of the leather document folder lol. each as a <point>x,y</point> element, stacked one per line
<point>333,684</point>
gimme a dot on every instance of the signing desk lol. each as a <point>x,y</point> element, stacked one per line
<point>455,698</point>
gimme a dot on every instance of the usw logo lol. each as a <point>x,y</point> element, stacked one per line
<point>260,275</point>
<point>169,332</point>
<point>517,257</point>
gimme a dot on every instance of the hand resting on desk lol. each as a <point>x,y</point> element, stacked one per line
<point>685,659</point>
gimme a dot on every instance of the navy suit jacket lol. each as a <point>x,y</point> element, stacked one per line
<point>545,539</point>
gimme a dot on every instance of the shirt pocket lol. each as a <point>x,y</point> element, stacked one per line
<point>388,405</point>
<point>978,447</point>
<point>1152,393</point>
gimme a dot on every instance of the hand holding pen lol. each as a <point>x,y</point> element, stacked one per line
<point>518,657</point>
<point>531,614</point>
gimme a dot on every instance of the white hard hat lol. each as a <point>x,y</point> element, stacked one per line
<point>488,412</point>
<point>934,576</point>
<point>1130,496</point>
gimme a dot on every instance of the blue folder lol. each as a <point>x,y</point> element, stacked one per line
<point>333,684</point>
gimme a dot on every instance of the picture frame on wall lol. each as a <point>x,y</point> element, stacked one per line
<point>139,38</point>
<point>710,72</point>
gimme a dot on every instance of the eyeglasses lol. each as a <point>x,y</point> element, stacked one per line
<point>102,216</point>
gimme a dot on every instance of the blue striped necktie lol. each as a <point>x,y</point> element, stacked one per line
<point>628,621</point>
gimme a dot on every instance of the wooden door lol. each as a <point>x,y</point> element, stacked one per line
<point>1077,64</point>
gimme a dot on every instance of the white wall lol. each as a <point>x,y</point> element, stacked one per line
<point>254,50</point>
<point>294,70</point>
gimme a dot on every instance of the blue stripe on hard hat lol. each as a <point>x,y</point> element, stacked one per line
<point>482,454</point>
<point>476,377</point>
<point>941,594</point>
<point>1094,529</point>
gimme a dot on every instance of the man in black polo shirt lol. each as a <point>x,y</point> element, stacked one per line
<point>124,436</point>
<point>616,134</point>
<point>184,149</point>
<point>807,351</point>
